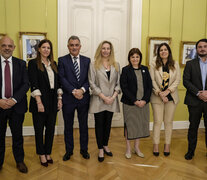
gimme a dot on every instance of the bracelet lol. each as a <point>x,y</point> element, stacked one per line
<point>59,97</point>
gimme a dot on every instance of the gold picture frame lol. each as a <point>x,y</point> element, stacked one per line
<point>153,44</point>
<point>187,52</point>
<point>28,44</point>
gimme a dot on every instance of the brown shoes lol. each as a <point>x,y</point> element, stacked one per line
<point>22,167</point>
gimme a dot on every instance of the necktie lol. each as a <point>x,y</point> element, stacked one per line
<point>77,71</point>
<point>7,80</point>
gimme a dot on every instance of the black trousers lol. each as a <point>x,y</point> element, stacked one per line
<point>15,124</point>
<point>195,114</point>
<point>103,127</point>
<point>41,120</point>
<point>68,115</point>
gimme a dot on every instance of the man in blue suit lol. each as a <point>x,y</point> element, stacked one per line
<point>73,74</point>
<point>14,84</point>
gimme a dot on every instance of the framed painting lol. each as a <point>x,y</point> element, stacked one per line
<point>187,52</point>
<point>28,43</point>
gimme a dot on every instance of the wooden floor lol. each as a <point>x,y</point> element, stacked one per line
<point>174,167</point>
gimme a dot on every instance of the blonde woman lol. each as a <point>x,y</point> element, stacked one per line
<point>104,74</point>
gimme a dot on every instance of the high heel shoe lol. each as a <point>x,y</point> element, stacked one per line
<point>166,153</point>
<point>139,153</point>
<point>50,161</point>
<point>128,155</point>
<point>100,159</point>
<point>45,164</point>
<point>156,153</point>
<point>108,153</point>
<point>156,148</point>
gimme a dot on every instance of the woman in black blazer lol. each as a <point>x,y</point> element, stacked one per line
<point>136,85</point>
<point>46,99</point>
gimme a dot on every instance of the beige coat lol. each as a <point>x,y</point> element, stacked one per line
<point>174,81</point>
<point>99,83</point>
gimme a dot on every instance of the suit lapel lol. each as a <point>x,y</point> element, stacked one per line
<point>112,73</point>
<point>103,71</point>
<point>71,65</point>
<point>46,75</point>
<point>133,74</point>
<point>0,77</point>
<point>198,69</point>
<point>14,72</point>
<point>82,67</point>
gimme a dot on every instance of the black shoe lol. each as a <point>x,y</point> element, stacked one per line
<point>50,161</point>
<point>45,164</point>
<point>108,153</point>
<point>67,156</point>
<point>166,153</point>
<point>22,167</point>
<point>156,153</point>
<point>189,155</point>
<point>85,154</point>
<point>100,159</point>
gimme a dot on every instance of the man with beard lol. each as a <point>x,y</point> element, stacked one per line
<point>194,80</point>
<point>14,84</point>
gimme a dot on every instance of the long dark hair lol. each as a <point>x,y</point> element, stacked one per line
<point>132,52</point>
<point>170,61</point>
<point>50,57</point>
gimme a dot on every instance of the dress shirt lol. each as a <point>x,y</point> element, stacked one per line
<point>78,61</point>
<point>3,64</point>
<point>51,78</point>
<point>203,66</point>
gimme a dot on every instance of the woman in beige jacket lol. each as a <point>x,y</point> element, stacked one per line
<point>165,74</point>
<point>104,75</point>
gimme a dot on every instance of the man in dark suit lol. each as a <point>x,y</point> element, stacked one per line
<point>13,100</point>
<point>73,74</point>
<point>194,79</point>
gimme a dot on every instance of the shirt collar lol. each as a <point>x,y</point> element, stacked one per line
<point>48,63</point>
<point>201,60</point>
<point>9,59</point>
<point>78,56</point>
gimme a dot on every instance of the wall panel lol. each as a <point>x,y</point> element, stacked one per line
<point>194,20</point>
<point>159,17</point>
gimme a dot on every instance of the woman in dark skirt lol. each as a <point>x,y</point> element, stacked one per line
<point>136,85</point>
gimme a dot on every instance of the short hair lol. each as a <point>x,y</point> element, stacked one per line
<point>201,40</point>
<point>73,37</point>
<point>132,52</point>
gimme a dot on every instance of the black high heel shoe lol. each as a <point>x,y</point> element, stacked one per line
<point>156,153</point>
<point>166,153</point>
<point>50,161</point>
<point>100,159</point>
<point>45,164</point>
<point>108,153</point>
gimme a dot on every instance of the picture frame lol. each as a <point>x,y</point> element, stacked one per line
<point>187,52</point>
<point>28,43</point>
<point>153,44</point>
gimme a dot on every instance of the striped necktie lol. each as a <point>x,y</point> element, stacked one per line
<point>77,71</point>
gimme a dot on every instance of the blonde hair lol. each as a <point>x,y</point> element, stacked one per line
<point>98,58</point>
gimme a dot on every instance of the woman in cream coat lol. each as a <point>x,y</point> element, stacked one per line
<point>165,74</point>
<point>104,75</point>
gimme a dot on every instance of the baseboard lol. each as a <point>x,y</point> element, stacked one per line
<point>29,130</point>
